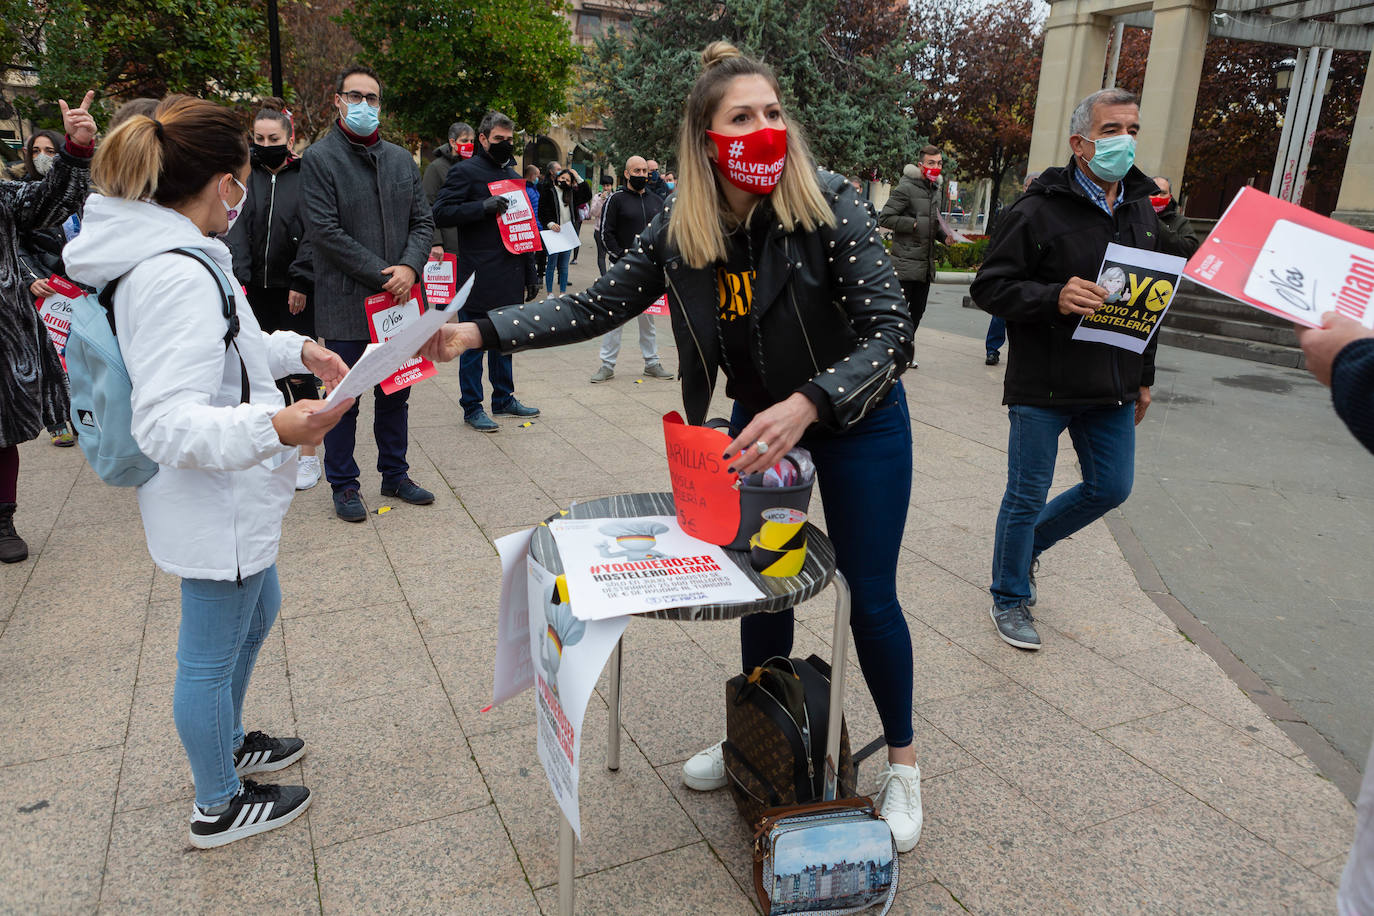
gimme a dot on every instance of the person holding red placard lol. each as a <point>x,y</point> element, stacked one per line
<point>467,201</point>
<point>775,274</point>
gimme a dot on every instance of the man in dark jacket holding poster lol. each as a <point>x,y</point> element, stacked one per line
<point>466,201</point>
<point>370,229</point>
<point>1038,276</point>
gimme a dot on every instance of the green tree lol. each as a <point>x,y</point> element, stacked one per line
<point>841,64</point>
<point>210,48</point>
<point>447,59</point>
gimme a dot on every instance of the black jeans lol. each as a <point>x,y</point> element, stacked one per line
<point>916,294</point>
<point>390,427</point>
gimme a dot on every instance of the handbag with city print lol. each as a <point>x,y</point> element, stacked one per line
<point>829,857</point>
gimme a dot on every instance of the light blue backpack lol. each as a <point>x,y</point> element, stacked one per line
<point>101,392</point>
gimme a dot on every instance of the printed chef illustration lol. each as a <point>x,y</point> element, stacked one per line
<point>634,540</point>
<point>563,630</point>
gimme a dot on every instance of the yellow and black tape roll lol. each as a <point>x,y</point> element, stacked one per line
<point>784,562</point>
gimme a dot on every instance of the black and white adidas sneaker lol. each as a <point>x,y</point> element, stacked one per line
<point>256,809</point>
<point>261,753</point>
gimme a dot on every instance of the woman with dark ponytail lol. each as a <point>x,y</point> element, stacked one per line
<point>271,254</point>
<point>33,387</point>
<point>212,514</point>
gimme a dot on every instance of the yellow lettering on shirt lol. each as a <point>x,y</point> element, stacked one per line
<point>736,290</point>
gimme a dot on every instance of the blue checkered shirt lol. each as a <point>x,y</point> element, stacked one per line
<point>1095,194</point>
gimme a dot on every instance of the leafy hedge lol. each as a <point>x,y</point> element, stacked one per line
<point>962,255</point>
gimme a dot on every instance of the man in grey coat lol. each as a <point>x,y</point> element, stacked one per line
<point>370,226</point>
<point>913,215</point>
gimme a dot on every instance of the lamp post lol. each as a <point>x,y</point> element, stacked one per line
<point>274,48</point>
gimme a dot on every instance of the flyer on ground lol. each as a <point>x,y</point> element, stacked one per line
<point>618,566</point>
<point>569,656</point>
<point>1140,285</point>
<point>1287,260</point>
<point>519,231</point>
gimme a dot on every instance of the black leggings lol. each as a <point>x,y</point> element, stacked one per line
<point>916,294</point>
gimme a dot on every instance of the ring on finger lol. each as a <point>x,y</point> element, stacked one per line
<point>761,446</point>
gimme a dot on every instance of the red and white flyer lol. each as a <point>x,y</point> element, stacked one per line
<point>660,306</point>
<point>384,319</point>
<point>519,230</point>
<point>1291,262</point>
<point>56,314</point>
<point>441,279</point>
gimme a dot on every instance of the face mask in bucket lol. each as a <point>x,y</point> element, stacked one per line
<point>752,162</point>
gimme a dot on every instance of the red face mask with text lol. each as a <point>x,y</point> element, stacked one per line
<point>932,174</point>
<point>752,162</point>
<point>1159,202</point>
<point>465,150</point>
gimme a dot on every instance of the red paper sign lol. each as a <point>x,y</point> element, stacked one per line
<point>384,317</point>
<point>441,279</point>
<point>64,286</point>
<point>56,314</point>
<point>519,230</point>
<point>703,489</point>
<point>660,306</point>
<point>1287,260</point>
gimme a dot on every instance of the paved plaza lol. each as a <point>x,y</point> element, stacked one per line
<point>1119,770</point>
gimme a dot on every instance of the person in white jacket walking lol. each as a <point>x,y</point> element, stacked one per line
<point>226,470</point>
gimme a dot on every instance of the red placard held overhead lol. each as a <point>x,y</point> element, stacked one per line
<point>384,317</point>
<point>519,230</point>
<point>704,491</point>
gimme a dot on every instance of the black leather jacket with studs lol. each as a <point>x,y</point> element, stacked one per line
<point>827,312</point>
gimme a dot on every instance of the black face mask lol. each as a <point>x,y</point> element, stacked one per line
<point>501,152</point>
<point>270,156</point>
<point>638,182</point>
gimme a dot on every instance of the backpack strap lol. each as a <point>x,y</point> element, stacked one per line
<point>228,305</point>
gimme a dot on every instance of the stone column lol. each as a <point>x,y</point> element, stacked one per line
<point>1071,67</point>
<point>1172,74</point>
<point>1356,202</point>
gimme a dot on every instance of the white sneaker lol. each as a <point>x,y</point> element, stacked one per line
<point>899,802</point>
<point>705,772</point>
<point>307,472</point>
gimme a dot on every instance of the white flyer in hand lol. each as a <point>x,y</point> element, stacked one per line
<point>565,239</point>
<point>1302,273</point>
<point>381,360</point>
<point>617,566</point>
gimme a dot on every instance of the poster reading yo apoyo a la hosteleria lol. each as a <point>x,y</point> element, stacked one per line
<point>519,230</point>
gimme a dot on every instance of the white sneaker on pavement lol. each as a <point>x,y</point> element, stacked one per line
<point>307,472</point>
<point>899,802</point>
<point>705,772</point>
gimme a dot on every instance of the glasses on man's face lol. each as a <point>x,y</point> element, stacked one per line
<point>353,97</point>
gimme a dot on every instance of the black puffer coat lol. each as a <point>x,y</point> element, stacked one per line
<point>33,387</point>
<point>827,309</point>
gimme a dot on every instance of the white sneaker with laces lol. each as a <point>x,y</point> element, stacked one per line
<point>899,802</point>
<point>705,772</point>
<point>307,472</point>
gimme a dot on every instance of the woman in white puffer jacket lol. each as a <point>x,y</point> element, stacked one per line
<point>226,472</point>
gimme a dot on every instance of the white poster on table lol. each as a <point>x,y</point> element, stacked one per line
<point>618,566</point>
<point>514,665</point>
<point>565,239</point>
<point>569,655</point>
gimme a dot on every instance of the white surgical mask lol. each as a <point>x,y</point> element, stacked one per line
<point>235,210</point>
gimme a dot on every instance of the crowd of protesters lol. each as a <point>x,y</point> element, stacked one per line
<point>181,193</point>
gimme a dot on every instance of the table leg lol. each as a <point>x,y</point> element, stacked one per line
<point>567,847</point>
<point>613,734</point>
<point>839,656</point>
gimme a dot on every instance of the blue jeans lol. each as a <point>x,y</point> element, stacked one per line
<point>500,369</point>
<point>997,334</point>
<point>1104,438</point>
<point>390,427</point>
<point>559,261</point>
<point>223,624</point>
<point>865,483</point>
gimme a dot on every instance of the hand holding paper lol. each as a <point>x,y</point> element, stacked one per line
<point>1080,297</point>
<point>1321,345</point>
<point>565,239</point>
<point>325,364</point>
<point>306,422</point>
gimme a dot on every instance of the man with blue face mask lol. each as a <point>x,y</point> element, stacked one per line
<point>369,222</point>
<point>1035,277</point>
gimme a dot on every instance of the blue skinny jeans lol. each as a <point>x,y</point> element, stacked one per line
<point>865,482</point>
<point>223,625</point>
